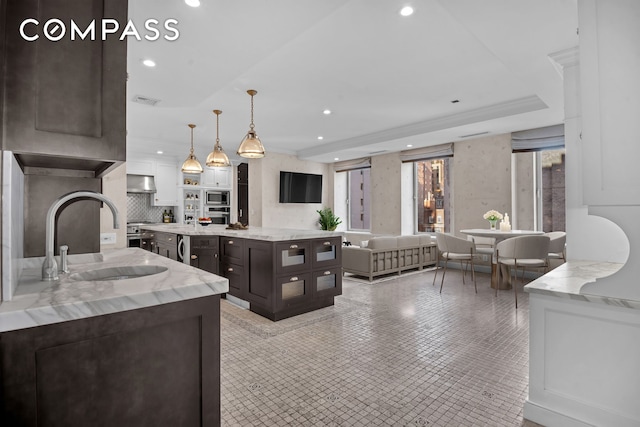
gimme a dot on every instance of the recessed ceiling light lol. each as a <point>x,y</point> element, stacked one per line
<point>336,158</point>
<point>159,152</point>
<point>326,112</point>
<point>406,11</point>
<point>149,63</point>
<point>192,3</point>
<point>321,137</point>
<point>409,145</point>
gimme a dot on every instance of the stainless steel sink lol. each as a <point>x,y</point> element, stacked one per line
<point>118,273</point>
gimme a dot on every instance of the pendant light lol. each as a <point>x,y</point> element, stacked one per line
<point>251,147</point>
<point>217,157</point>
<point>191,165</point>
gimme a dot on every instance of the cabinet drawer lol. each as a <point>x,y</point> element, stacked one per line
<point>327,252</point>
<point>168,238</point>
<point>231,250</point>
<point>167,250</point>
<point>205,259</point>
<point>293,256</point>
<point>327,282</point>
<point>208,242</point>
<point>236,276</point>
<point>293,289</point>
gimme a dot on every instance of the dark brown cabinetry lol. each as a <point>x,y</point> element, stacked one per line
<point>205,253</point>
<point>232,265</point>
<point>284,279</point>
<point>67,97</point>
<point>147,367</point>
<point>243,193</point>
<point>166,244</point>
<point>148,241</point>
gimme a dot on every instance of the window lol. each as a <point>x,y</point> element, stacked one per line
<point>359,199</point>
<point>551,203</point>
<point>432,195</point>
<point>538,167</point>
<point>539,195</point>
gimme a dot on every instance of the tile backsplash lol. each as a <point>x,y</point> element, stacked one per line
<point>139,208</point>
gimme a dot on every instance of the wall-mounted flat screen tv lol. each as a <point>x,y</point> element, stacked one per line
<point>296,187</point>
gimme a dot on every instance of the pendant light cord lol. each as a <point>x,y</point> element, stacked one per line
<point>191,126</point>
<point>217,128</point>
<point>251,126</point>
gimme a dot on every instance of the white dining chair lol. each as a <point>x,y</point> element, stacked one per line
<point>522,252</point>
<point>452,248</point>
<point>557,244</point>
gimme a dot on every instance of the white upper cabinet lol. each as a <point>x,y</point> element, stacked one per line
<point>217,177</point>
<point>609,70</point>
<point>166,177</point>
<point>141,167</point>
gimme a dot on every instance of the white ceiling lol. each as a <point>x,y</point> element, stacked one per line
<point>388,79</point>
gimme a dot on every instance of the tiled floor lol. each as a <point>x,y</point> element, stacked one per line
<point>392,353</point>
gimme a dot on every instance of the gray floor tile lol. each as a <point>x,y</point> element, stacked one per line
<point>392,353</point>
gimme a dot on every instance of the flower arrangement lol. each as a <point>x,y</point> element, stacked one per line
<point>492,215</point>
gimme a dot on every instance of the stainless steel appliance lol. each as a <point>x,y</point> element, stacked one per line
<point>134,234</point>
<point>217,197</point>
<point>218,214</point>
<point>140,184</point>
<point>183,242</point>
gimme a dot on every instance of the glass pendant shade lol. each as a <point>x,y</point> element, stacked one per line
<point>217,158</point>
<point>251,147</point>
<point>191,164</point>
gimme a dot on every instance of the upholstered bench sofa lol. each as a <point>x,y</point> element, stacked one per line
<point>384,255</point>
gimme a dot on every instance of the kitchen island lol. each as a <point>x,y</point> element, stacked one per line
<point>127,337</point>
<point>275,272</point>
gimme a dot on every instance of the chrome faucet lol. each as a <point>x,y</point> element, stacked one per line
<point>50,266</point>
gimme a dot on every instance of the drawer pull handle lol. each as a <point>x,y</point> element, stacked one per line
<point>327,243</point>
<point>230,269</point>
<point>170,239</point>
<point>293,247</point>
<point>326,273</point>
<point>230,242</point>
<point>194,256</point>
<point>294,279</point>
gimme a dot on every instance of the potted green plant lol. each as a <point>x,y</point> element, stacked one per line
<point>328,220</point>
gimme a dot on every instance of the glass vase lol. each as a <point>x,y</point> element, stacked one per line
<point>492,224</point>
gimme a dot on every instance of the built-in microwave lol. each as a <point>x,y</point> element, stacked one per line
<point>217,197</point>
<point>218,215</point>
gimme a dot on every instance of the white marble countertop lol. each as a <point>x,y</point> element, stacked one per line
<point>37,302</point>
<point>567,280</point>
<point>256,233</point>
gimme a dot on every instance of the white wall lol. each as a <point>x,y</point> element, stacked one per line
<point>408,210</point>
<point>386,194</point>
<point>265,210</point>
<point>114,186</point>
<point>481,175</point>
<point>340,195</point>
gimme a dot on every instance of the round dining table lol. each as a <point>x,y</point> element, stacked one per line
<point>497,274</point>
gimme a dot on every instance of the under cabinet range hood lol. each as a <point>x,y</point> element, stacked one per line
<point>140,184</point>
